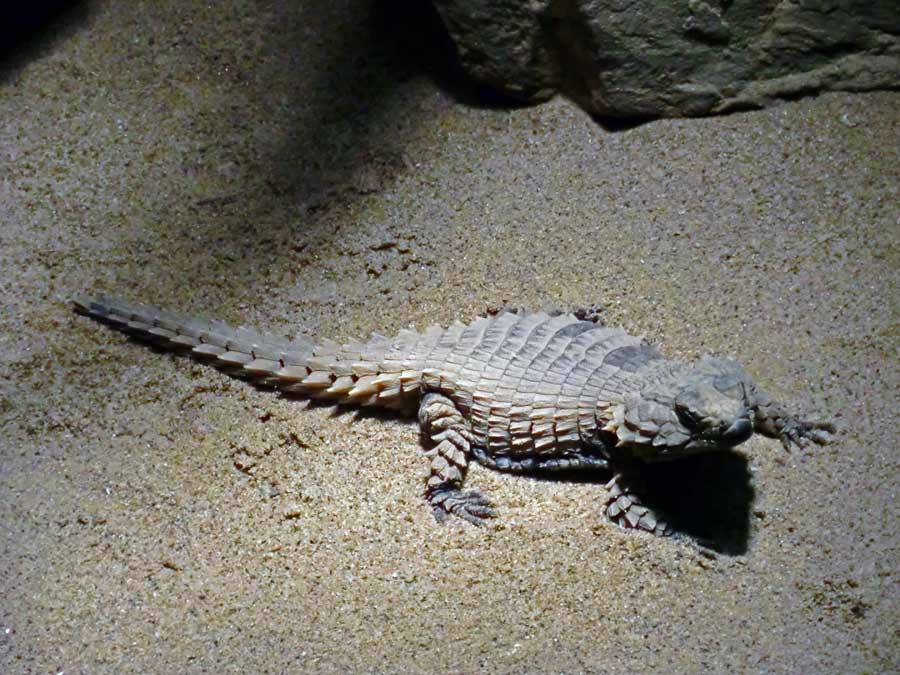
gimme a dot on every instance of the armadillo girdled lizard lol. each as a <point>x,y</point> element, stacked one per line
<point>519,393</point>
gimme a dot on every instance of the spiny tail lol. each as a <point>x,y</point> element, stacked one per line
<point>383,372</point>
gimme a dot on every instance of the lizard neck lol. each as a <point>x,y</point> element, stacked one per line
<point>610,409</point>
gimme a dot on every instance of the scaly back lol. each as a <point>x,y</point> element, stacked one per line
<point>527,383</point>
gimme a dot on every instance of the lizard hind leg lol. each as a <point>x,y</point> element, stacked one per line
<point>451,436</point>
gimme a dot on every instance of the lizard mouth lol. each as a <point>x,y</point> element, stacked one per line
<point>736,433</point>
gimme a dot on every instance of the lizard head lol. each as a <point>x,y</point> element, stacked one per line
<point>685,412</point>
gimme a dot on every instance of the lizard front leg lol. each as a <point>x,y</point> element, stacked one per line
<point>772,420</point>
<point>447,429</point>
<point>625,509</point>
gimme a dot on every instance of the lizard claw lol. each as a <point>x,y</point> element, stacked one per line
<point>800,432</point>
<point>594,314</point>
<point>472,506</point>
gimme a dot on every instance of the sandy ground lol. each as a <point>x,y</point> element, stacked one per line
<point>303,170</point>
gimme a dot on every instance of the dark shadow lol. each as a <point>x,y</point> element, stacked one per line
<point>618,124</point>
<point>706,498</point>
<point>334,108</point>
<point>342,142</point>
<point>28,30</point>
<point>420,45</point>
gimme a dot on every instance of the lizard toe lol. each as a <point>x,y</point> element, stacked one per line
<point>472,506</point>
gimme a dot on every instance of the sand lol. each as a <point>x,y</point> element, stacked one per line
<point>308,170</point>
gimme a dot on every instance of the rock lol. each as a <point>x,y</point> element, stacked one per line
<point>627,59</point>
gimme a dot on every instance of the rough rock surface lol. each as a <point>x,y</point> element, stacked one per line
<point>674,59</point>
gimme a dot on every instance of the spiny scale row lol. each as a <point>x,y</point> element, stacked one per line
<point>354,372</point>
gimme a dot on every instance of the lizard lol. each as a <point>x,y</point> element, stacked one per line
<point>516,391</point>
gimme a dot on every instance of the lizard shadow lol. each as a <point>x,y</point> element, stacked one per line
<point>706,498</point>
